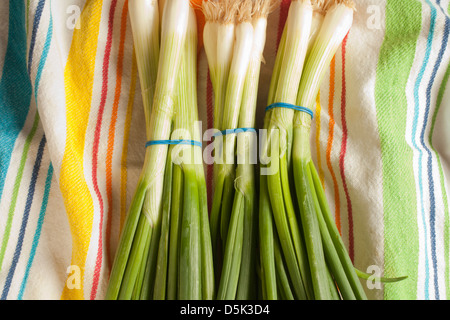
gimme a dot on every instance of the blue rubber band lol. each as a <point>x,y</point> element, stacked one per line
<point>231,131</point>
<point>173,142</point>
<point>290,106</point>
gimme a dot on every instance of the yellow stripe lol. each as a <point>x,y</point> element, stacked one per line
<point>124,174</point>
<point>319,160</point>
<point>79,78</point>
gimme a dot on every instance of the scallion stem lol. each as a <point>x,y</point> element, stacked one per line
<point>334,27</point>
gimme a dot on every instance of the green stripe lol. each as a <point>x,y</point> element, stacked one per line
<point>15,194</point>
<point>441,176</point>
<point>401,245</point>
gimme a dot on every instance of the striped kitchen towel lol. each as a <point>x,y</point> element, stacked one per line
<point>72,138</point>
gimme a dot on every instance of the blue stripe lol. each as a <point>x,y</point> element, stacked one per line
<point>15,87</point>
<point>414,133</point>
<point>50,169</point>
<point>37,234</point>
<point>430,155</point>
<point>37,19</point>
<point>44,56</point>
<point>29,201</point>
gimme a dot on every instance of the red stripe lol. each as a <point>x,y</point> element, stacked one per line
<point>112,131</point>
<point>210,120</point>
<point>98,128</point>
<point>343,153</point>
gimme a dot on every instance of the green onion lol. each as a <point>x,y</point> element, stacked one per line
<point>309,258</point>
<point>276,203</point>
<point>227,44</point>
<point>164,250</point>
<point>245,183</point>
<point>233,218</point>
<point>144,16</point>
<point>321,237</point>
<point>196,227</point>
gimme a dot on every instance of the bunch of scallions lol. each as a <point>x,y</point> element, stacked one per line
<point>302,255</point>
<point>234,39</point>
<point>165,248</point>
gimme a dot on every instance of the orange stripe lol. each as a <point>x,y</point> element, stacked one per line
<point>318,128</point>
<point>330,143</point>
<point>124,174</point>
<point>112,127</point>
<point>79,79</point>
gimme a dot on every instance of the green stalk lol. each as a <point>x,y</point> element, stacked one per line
<point>148,281</point>
<point>227,205</point>
<point>330,252</point>
<point>134,261</point>
<point>127,236</point>
<point>137,292</point>
<point>190,254</point>
<point>329,226</point>
<point>309,222</point>
<point>215,217</point>
<point>282,275</point>
<point>233,252</point>
<point>282,222</point>
<point>266,243</point>
<point>247,284</point>
<point>334,291</point>
<point>367,276</point>
<point>174,233</point>
<point>208,281</point>
<point>295,229</point>
<point>159,290</point>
